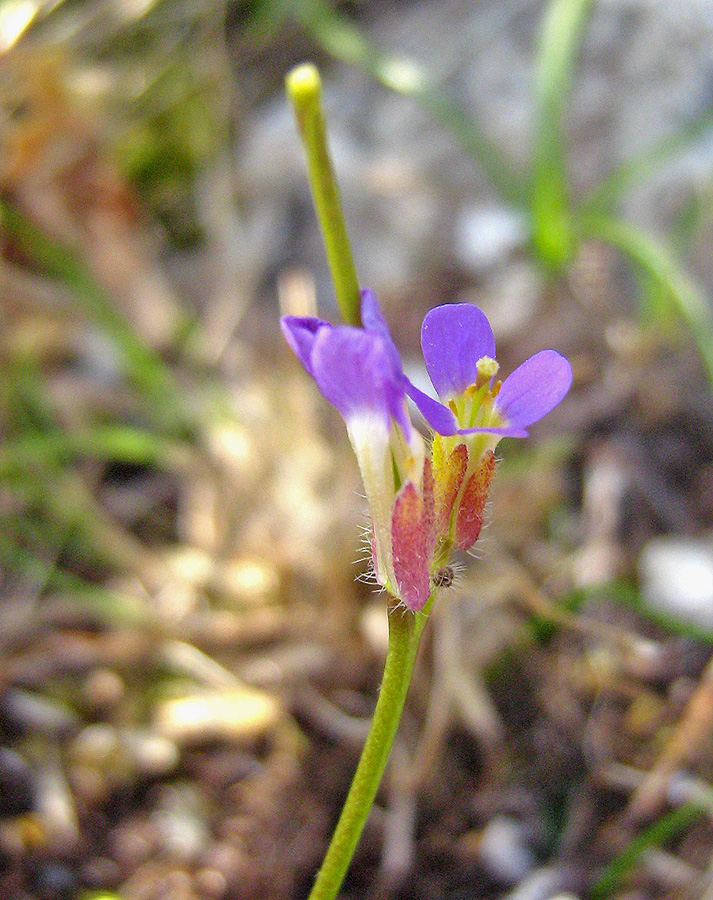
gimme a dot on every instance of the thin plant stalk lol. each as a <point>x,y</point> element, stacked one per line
<point>304,88</point>
<point>404,633</point>
<point>405,627</point>
<point>345,42</point>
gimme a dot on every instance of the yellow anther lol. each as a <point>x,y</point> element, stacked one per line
<point>452,406</point>
<point>487,368</point>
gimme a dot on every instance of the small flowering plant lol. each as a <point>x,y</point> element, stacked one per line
<point>423,503</point>
<point>426,497</point>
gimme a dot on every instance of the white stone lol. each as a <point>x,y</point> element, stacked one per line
<point>504,850</point>
<point>677,578</point>
<point>487,235</point>
<point>235,714</point>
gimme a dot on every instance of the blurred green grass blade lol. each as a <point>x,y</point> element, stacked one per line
<point>657,261</point>
<point>48,577</point>
<point>343,41</point>
<point>562,31</point>
<point>142,365</point>
<point>641,167</point>
<point>626,594</point>
<point>115,443</point>
<point>663,830</point>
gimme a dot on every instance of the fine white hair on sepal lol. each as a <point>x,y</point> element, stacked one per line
<point>476,553</point>
<point>368,577</point>
<point>361,560</point>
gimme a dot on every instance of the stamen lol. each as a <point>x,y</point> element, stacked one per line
<point>487,369</point>
<point>479,399</point>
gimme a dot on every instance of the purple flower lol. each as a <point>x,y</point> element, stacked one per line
<point>422,506</point>
<point>359,371</point>
<point>476,412</point>
<point>459,351</point>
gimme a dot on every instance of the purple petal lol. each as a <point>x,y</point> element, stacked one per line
<point>373,320</point>
<point>533,389</point>
<point>502,430</point>
<point>371,315</point>
<point>438,416</point>
<point>300,333</point>
<point>355,371</point>
<point>453,338</point>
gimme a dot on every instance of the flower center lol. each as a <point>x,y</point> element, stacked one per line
<point>475,407</point>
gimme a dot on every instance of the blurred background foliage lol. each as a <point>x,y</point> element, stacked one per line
<point>178,507</point>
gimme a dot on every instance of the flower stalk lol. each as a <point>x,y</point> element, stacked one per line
<point>404,633</point>
<point>425,500</point>
<point>304,89</point>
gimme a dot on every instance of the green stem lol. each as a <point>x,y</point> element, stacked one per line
<point>404,633</point>
<point>304,88</point>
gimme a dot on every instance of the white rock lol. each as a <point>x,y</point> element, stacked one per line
<point>545,883</point>
<point>234,714</point>
<point>509,297</point>
<point>677,578</point>
<point>486,235</point>
<point>504,850</point>
<point>374,626</point>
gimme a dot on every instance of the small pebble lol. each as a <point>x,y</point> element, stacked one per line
<point>179,822</point>
<point>250,580</point>
<point>543,884</point>
<point>33,712</point>
<point>89,784</point>
<point>103,690</point>
<point>181,836</point>
<point>97,872</point>
<point>211,883</point>
<point>228,860</point>
<point>97,745</point>
<point>131,843</point>
<point>55,805</point>
<point>54,881</point>
<point>677,578</point>
<point>17,784</point>
<point>504,850</point>
<point>374,627</point>
<point>149,753</point>
<point>486,235</point>
<point>236,714</point>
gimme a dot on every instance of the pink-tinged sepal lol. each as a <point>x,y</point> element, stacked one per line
<point>469,519</point>
<point>413,538</point>
<point>449,471</point>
